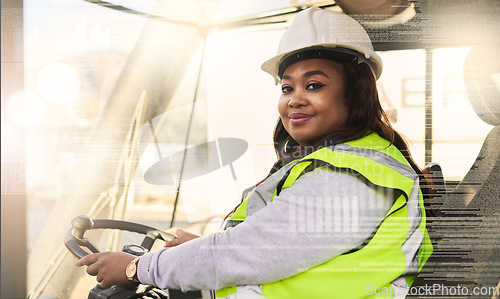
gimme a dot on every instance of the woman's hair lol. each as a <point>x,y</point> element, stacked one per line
<point>365,115</point>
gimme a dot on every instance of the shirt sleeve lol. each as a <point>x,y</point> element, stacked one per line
<point>322,215</point>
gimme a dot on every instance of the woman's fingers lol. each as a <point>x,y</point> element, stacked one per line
<point>106,285</point>
<point>108,267</point>
<point>91,261</point>
<point>93,269</point>
<point>182,236</point>
<point>174,231</point>
<point>172,243</point>
<point>88,259</point>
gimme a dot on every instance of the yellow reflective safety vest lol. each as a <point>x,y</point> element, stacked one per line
<point>391,257</point>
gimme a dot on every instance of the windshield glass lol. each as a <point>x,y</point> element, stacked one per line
<point>114,96</point>
<point>457,131</point>
<point>114,100</point>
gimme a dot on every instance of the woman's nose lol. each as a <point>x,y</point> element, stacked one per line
<point>298,99</point>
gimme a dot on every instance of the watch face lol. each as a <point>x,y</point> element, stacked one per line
<point>131,269</point>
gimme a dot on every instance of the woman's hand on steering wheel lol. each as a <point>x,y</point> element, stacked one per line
<point>108,267</point>
<point>182,236</point>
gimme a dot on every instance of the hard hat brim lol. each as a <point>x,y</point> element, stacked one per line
<point>271,66</point>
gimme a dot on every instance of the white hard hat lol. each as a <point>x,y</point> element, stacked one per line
<point>315,30</point>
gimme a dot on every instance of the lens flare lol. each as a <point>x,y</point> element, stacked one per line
<point>58,82</point>
<point>25,108</point>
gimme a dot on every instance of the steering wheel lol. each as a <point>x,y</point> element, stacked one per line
<point>75,241</point>
<point>74,237</point>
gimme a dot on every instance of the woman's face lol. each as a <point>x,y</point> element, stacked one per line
<point>312,102</point>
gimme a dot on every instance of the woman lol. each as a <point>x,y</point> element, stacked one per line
<point>340,215</point>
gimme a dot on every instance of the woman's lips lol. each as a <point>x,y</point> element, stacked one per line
<point>299,118</point>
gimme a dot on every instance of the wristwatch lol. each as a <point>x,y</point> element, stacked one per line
<point>131,270</point>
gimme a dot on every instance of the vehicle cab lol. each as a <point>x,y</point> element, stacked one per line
<point>156,112</point>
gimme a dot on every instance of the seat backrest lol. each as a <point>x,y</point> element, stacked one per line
<point>478,194</point>
<point>482,81</point>
<point>467,250</point>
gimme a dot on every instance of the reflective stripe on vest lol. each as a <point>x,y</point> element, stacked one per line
<point>387,263</point>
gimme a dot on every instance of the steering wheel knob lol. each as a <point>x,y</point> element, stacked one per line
<point>81,223</point>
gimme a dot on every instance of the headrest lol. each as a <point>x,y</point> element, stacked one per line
<point>482,82</point>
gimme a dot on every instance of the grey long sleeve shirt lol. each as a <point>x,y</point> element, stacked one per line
<point>322,215</point>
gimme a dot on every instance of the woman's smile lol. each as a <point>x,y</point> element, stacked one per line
<point>299,118</point>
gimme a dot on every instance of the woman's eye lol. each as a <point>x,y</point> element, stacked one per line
<point>314,86</point>
<point>286,89</point>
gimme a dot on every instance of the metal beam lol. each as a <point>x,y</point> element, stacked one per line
<point>13,199</point>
